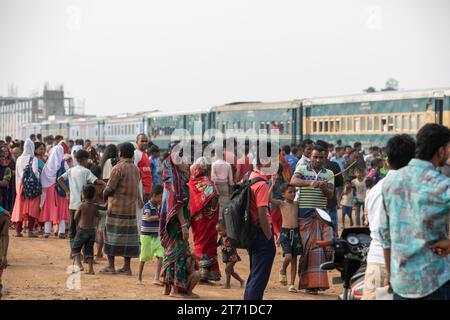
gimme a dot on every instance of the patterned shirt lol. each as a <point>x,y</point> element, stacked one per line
<point>416,199</point>
<point>150,228</point>
<point>122,188</point>
<point>313,197</point>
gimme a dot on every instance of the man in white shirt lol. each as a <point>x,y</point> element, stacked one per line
<point>77,147</point>
<point>400,150</point>
<point>222,176</point>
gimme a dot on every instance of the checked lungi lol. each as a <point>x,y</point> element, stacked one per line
<point>121,236</point>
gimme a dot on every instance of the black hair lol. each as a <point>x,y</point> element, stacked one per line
<point>39,136</point>
<point>126,150</point>
<point>32,136</point>
<point>369,183</point>
<point>141,134</point>
<point>96,170</point>
<point>79,142</point>
<point>285,186</point>
<point>318,148</point>
<point>286,149</point>
<point>8,139</point>
<point>81,155</point>
<point>294,150</point>
<point>430,138</point>
<point>59,137</point>
<point>338,142</point>
<point>37,144</point>
<point>339,149</point>
<point>357,145</point>
<point>221,223</point>
<point>154,149</point>
<point>89,192</point>
<point>157,189</point>
<point>400,149</point>
<point>111,152</point>
<point>348,181</point>
<point>71,141</point>
<point>323,144</point>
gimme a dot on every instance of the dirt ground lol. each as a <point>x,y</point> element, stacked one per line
<point>38,270</point>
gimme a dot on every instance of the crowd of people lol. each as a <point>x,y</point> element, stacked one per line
<point>132,201</point>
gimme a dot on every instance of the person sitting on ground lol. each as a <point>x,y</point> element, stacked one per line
<point>87,217</point>
<point>290,234</point>
<point>229,255</point>
<point>150,243</point>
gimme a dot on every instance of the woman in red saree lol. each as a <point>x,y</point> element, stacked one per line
<point>204,211</point>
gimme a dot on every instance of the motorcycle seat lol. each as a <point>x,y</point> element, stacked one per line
<point>328,266</point>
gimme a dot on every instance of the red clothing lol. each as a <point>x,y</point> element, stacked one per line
<point>146,172</point>
<point>260,195</point>
<point>244,164</point>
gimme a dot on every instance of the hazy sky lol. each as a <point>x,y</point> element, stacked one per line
<point>175,55</point>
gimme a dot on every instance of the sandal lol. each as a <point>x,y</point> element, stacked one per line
<point>292,289</point>
<point>125,272</point>
<point>283,279</point>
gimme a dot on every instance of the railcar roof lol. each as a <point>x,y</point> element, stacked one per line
<point>256,106</point>
<point>379,96</point>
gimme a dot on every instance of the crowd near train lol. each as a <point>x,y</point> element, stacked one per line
<point>370,118</point>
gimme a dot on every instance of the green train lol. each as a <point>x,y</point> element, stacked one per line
<point>370,118</point>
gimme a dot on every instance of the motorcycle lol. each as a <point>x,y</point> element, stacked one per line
<point>350,253</point>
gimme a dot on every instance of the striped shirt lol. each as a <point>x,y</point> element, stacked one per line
<point>150,228</point>
<point>313,197</point>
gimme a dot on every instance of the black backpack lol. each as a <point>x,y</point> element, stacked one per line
<point>238,222</point>
<point>31,186</point>
<point>59,173</point>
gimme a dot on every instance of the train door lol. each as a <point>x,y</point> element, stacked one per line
<point>439,111</point>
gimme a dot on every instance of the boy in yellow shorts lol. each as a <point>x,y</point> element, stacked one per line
<point>150,243</point>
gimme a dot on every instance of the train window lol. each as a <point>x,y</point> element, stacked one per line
<point>344,124</point>
<point>369,123</point>
<point>349,123</point>
<point>429,107</point>
<point>356,124</point>
<point>320,126</point>
<point>404,122</point>
<point>337,127</point>
<point>376,123</point>
<point>383,124</point>
<point>390,123</point>
<point>363,124</point>
<point>419,121</point>
<point>412,122</point>
<point>398,125</point>
<point>314,126</point>
<point>332,126</point>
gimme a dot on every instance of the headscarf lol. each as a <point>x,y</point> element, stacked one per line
<point>53,164</point>
<point>176,199</point>
<point>24,160</point>
<point>201,188</point>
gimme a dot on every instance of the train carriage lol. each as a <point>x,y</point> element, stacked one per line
<point>260,117</point>
<point>191,124</point>
<point>373,118</point>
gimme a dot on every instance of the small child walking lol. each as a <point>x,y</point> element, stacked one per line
<point>101,206</point>
<point>150,241</point>
<point>290,234</point>
<point>229,255</point>
<point>86,217</point>
<point>347,202</point>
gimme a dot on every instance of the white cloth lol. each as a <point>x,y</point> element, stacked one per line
<point>221,172</point>
<point>24,160</point>
<point>375,209</point>
<point>302,162</point>
<point>74,150</point>
<point>361,189</point>
<point>107,169</point>
<point>53,164</point>
<point>61,227</point>
<point>78,177</point>
<point>137,156</point>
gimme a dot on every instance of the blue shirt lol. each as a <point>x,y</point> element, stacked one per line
<point>150,228</point>
<point>416,200</point>
<point>340,161</point>
<point>291,161</point>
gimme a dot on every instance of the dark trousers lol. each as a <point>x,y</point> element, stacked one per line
<point>443,293</point>
<point>359,213</point>
<point>72,227</point>
<point>31,222</point>
<point>261,255</point>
